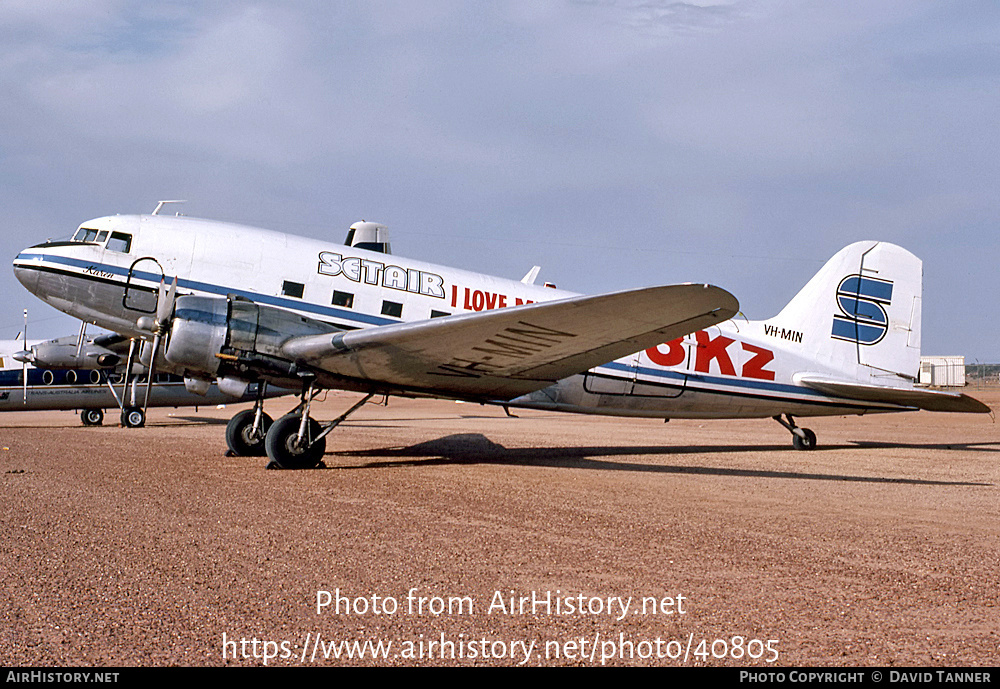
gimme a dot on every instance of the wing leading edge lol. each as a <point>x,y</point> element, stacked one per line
<point>505,353</point>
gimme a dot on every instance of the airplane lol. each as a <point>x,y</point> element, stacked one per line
<point>73,373</point>
<point>310,315</point>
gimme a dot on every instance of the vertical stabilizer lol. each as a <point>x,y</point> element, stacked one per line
<point>860,314</point>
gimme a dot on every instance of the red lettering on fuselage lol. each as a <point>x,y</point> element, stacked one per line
<point>709,349</point>
<point>481,300</point>
<point>754,368</point>
<point>672,357</point>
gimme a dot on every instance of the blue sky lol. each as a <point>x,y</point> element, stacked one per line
<point>615,143</point>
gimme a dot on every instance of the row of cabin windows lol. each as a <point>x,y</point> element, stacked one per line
<point>346,300</point>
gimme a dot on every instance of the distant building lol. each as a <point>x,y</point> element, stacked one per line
<point>942,371</point>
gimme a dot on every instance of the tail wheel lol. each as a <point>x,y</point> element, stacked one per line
<point>285,449</point>
<point>807,441</point>
<point>92,417</point>
<point>242,441</point>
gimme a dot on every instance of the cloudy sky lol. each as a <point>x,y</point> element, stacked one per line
<point>616,143</point>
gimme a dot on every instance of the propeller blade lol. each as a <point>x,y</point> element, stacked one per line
<point>165,306</point>
<point>24,365</point>
<point>164,310</point>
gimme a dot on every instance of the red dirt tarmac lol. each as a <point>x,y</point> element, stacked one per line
<point>150,547</point>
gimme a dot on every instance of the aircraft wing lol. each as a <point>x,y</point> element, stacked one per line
<point>504,353</point>
<point>931,400</point>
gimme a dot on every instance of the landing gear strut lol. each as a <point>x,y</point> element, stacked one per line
<point>802,438</point>
<point>296,441</point>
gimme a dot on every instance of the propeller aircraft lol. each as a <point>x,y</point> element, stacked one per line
<point>242,305</point>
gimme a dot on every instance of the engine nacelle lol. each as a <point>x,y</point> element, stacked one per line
<point>235,337</point>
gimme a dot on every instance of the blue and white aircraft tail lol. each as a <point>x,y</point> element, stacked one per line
<point>862,315</point>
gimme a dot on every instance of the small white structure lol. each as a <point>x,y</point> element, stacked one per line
<point>942,371</point>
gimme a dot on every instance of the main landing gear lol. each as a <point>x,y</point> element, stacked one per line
<point>246,431</point>
<point>133,417</point>
<point>295,441</point>
<point>802,438</point>
<point>92,417</point>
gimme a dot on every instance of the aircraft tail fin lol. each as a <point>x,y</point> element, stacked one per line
<point>859,316</point>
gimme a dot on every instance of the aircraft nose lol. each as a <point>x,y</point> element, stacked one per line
<point>25,275</point>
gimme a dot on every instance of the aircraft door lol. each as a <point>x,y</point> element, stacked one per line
<point>616,378</point>
<point>664,374</point>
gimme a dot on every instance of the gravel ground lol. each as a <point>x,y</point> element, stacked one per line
<point>150,547</point>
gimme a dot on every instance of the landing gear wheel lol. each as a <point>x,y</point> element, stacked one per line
<point>240,436</point>
<point>284,449</point>
<point>133,417</point>
<point>92,417</point>
<point>805,442</point>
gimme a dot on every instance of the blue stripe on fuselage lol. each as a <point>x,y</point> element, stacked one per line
<point>212,289</point>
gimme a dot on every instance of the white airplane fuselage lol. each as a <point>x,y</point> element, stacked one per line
<point>736,369</point>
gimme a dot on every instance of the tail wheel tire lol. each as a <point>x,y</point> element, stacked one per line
<point>240,436</point>
<point>285,450</point>
<point>807,441</point>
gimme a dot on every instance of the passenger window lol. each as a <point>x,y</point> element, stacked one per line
<point>391,308</point>
<point>439,314</point>
<point>292,289</point>
<point>345,299</point>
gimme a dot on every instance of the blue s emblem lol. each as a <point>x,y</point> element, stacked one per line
<point>862,318</point>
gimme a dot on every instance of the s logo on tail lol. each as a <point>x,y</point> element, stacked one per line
<point>863,318</point>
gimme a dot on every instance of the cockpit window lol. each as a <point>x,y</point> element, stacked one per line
<point>85,234</point>
<point>120,242</point>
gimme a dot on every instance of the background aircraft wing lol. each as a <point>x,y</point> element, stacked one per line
<point>500,354</point>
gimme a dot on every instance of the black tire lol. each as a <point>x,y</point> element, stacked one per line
<point>92,417</point>
<point>281,444</point>
<point>804,443</point>
<point>133,417</point>
<point>238,434</point>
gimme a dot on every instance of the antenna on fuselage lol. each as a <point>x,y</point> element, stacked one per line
<point>161,204</point>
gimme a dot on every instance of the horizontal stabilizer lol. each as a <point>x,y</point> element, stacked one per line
<point>507,352</point>
<point>931,400</point>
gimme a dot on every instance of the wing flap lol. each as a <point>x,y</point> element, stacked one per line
<point>931,400</point>
<point>508,352</point>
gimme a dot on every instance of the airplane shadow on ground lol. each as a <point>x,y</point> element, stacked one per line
<point>475,448</point>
